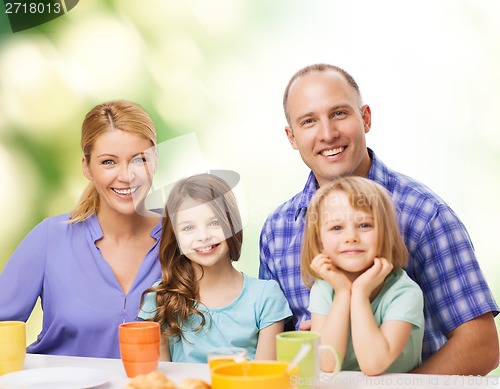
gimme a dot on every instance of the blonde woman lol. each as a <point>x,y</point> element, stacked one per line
<point>362,302</point>
<point>90,267</point>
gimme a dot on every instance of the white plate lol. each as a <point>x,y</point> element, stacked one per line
<point>54,378</point>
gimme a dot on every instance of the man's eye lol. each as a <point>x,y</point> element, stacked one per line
<point>339,113</point>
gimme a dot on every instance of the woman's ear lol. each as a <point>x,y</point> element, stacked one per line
<point>86,169</point>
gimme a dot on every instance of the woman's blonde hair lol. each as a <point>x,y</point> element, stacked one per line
<point>114,115</point>
<point>363,194</point>
<point>178,292</point>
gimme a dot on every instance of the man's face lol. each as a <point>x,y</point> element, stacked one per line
<point>327,126</point>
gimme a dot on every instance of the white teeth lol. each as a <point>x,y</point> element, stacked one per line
<point>328,153</point>
<point>126,192</point>
<point>205,249</point>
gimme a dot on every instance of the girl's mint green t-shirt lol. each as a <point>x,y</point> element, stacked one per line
<point>400,299</point>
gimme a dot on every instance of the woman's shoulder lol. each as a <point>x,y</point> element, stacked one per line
<point>60,227</point>
<point>58,219</point>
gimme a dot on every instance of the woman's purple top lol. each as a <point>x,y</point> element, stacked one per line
<point>82,301</point>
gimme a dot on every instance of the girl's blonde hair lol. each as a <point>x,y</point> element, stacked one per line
<point>114,115</point>
<point>178,292</point>
<point>363,194</point>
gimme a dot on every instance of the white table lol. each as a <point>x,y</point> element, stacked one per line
<point>344,380</point>
<point>114,367</point>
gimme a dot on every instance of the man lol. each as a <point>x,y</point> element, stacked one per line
<point>327,123</point>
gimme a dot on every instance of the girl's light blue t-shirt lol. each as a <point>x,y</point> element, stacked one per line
<point>260,304</point>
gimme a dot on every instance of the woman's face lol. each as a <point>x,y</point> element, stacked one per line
<point>121,167</point>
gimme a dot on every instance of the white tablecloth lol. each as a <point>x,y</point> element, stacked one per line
<point>344,380</point>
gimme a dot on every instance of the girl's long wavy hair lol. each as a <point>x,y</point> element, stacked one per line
<point>363,194</point>
<point>177,295</point>
<point>113,115</point>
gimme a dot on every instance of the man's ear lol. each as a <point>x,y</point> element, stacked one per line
<point>86,169</point>
<point>367,117</point>
<point>291,137</point>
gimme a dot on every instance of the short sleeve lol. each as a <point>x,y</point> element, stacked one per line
<point>321,297</point>
<point>274,305</point>
<point>148,308</point>
<point>406,304</point>
<point>449,274</point>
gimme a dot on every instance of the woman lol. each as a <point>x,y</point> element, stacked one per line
<point>91,266</point>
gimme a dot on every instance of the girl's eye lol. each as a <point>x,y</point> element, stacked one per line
<point>215,223</point>
<point>336,228</point>
<point>365,225</point>
<point>187,228</point>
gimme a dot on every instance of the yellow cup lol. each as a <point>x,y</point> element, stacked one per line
<point>252,375</point>
<point>12,346</point>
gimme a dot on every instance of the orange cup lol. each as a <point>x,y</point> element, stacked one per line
<point>139,347</point>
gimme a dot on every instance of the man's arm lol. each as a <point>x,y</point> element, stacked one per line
<point>471,349</point>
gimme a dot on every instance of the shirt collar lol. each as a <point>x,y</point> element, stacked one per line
<point>96,230</point>
<point>378,172</point>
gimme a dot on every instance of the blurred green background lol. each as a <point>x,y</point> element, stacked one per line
<point>217,69</point>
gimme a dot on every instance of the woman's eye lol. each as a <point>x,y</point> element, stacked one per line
<point>139,160</point>
<point>108,162</point>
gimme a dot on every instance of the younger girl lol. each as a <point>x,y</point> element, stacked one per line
<point>362,302</point>
<point>202,301</point>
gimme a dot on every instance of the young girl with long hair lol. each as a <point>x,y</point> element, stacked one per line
<point>202,301</point>
<point>362,302</point>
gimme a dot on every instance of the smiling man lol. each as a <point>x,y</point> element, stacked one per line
<point>327,123</point>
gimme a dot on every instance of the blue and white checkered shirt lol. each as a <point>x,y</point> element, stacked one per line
<point>442,259</point>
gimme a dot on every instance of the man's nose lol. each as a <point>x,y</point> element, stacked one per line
<point>328,130</point>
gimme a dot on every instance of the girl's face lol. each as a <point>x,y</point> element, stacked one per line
<point>348,235</point>
<point>121,165</point>
<point>200,235</point>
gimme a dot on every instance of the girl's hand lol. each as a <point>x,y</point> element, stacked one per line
<point>324,268</point>
<point>373,277</point>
